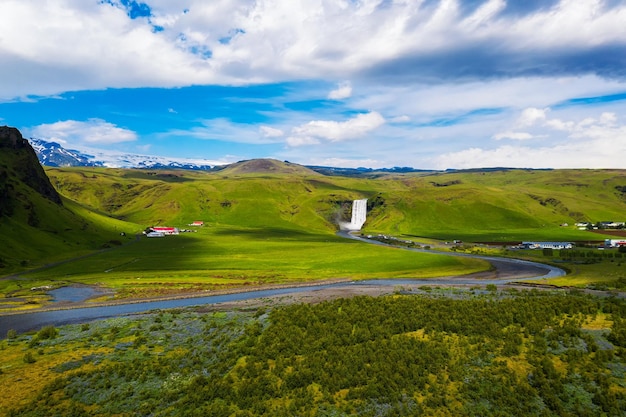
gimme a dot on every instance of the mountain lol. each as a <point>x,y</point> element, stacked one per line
<point>53,154</point>
<point>266,166</point>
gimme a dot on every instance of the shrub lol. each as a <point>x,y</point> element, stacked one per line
<point>29,358</point>
<point>48,332</point>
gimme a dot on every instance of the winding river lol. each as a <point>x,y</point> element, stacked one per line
<point>505,271</point>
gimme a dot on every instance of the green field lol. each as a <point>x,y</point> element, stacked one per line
<point>220,257</point>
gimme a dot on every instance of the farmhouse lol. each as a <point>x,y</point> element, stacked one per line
<point>166,230</point>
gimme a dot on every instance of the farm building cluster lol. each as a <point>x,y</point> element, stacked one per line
<point>162,231</point>
<point>546,245</point>
<point>614,243</point>
<point>600,225</point>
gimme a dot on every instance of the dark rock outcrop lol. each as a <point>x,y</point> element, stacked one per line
<point>19,164</point>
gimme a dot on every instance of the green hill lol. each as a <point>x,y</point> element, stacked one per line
<point>505,205</point>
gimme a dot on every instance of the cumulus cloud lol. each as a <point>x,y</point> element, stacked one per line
<point>270,132</point>
<point>590,142</point>
<point>92,132</point>
<point>65,45</point>
<point>332,131</point>
<point>343,90</point>
<point>491,71</point>
<point>531,116</point>
<point>513,135</point>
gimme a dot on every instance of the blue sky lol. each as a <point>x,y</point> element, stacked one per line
<point>431,84</point>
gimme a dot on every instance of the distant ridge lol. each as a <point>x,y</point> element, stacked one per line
<point>266,166</point>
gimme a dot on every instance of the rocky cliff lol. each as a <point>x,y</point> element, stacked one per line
<point>20,167</point>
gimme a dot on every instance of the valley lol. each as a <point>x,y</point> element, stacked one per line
<point>430,308</point>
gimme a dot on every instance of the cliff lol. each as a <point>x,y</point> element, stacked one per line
<point>20,167</point>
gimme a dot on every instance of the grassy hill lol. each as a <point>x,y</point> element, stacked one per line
<point>504,205</point>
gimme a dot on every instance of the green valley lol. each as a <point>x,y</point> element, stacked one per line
<point>270,222</point>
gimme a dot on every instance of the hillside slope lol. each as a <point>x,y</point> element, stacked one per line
<point>36,225</point>
<point>477,206</point>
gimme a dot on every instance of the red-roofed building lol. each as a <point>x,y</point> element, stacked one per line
<point>166,230</point>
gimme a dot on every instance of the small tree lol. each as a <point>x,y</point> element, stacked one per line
<point>48,332</point>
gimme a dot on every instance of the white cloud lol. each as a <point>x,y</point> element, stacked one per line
<point>343,90</point>
<point>295,141</point>
<point>513,135</point>
<point>222,129</point>
<point>67,45</point>
<point>333,131</point>
<point>92,132</point>
<point>345,162</point>
<point>587,143</point>
<point>400,119</point>
<point>270,132</point>
<point>531,116</point>
<point>490,70</point>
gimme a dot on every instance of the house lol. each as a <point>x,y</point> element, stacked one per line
<point>547,245</point>
<point>155,234</point>
<point>166,230</point>
<point>614,243</point>
<point>197,223</point>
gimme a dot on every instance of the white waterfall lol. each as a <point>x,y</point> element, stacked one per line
<point>359,215</point>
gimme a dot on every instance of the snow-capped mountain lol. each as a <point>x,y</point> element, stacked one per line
<point>53,154</point>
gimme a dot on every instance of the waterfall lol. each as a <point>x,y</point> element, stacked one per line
<point>359,215</point>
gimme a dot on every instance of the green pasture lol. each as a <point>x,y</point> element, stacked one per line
<point>590,267</point>
<point>223,257</point>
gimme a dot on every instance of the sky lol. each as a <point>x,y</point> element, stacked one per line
<point>428,84</point>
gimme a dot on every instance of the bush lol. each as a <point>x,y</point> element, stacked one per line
<point>48,332</point>
<point>29,358</point>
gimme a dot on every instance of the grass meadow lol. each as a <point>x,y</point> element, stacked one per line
<point>226,257</point>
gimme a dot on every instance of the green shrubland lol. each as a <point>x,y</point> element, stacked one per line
<point>447,353</point>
